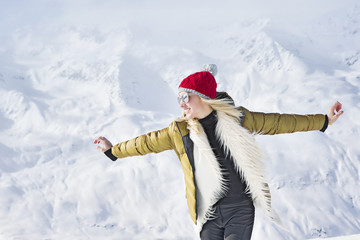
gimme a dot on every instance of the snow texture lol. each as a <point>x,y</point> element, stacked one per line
<point>71,71</point>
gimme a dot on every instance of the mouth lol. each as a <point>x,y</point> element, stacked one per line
<point>186,111</point>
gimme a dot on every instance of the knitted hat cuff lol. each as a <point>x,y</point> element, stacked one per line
<point>193,91</point>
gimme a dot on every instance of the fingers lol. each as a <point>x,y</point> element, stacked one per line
<point>338,106</point>
<point>99,140</point>
<point>335,112</point>
<point>106,144</point>
<point>337,115</point>
<point>100,148</point>
<point>335,109</point>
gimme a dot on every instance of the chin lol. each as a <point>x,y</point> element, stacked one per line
<point>189,116</point>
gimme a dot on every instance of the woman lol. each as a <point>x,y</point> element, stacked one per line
<point>222,164</point>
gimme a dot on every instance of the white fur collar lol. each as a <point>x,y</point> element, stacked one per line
<point>247,160</point>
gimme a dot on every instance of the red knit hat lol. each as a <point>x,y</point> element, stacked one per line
<point>200,83</point>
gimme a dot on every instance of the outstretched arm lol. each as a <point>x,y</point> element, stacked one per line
<point>275,123</point>
<point>153,142</point>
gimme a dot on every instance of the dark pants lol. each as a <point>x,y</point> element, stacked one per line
<point>232,222</point>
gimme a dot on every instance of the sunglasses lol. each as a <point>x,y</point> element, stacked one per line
<point>185,98</point>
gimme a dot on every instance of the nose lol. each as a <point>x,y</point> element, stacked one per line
<point>182,104</point>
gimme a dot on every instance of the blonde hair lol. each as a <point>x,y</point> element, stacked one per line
<point>223,105</point>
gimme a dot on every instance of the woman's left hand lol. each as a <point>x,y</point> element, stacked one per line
<point>334,112</point>
<point>106,144</point>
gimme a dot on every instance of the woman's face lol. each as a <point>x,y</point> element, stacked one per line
<point>193,106</point>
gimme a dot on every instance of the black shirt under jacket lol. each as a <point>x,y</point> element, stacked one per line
<point>235,183</point>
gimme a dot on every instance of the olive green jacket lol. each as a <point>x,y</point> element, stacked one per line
<point>176,137</point>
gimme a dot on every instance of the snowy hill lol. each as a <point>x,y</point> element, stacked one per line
<point>70,72</point>
<point>351,237</point>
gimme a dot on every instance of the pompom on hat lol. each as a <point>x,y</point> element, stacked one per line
<point>201,83</point>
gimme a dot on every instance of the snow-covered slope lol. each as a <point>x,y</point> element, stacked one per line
<point>350,237</point>
<point>70,72</point>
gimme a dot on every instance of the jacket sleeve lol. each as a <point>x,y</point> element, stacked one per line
<point>275,123</point>
<point>153,142</point>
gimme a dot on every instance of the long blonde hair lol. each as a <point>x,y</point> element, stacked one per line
<point>224,105</point>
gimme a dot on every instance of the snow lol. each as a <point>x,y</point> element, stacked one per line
<point>71,71</point>
<point>351,237</point>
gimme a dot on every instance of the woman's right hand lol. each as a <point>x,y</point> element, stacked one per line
<point>334,112</point>
<point>106,144</point>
